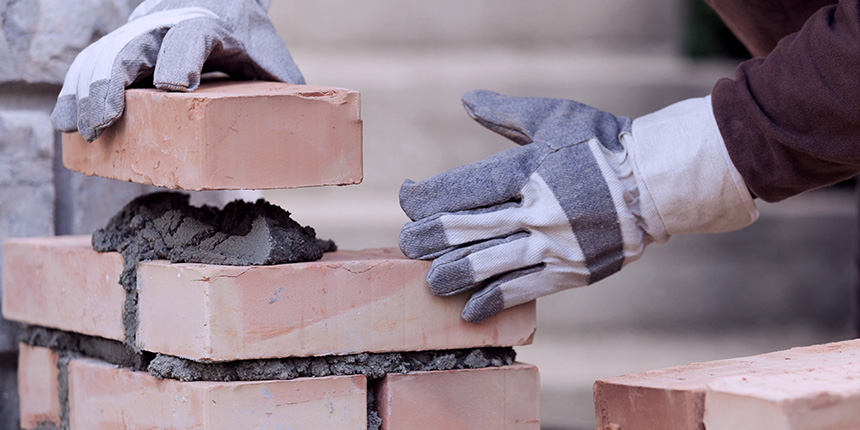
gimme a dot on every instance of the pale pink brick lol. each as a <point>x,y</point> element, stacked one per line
<point>60,282</point>
<point>103,397</point>
<point>823,397</point>
<point>38,387</point>
<point>675,398</point>
<point>229,135</point>
<point>495,398</point>
<point>348,302</point>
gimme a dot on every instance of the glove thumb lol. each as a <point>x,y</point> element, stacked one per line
<point>528,119</point>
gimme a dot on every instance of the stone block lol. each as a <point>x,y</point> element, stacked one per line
<point>229,135</point>
<point>38,387</point>
<point>41,38</point>
<point>492,398</point>
<point>26,185</point>
<point>103,396</point>
<point>60,282</point>
<point>676,397</point>
<point>348,302</point>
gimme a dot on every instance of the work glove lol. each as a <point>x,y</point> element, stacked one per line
<point>582,197</point>
<point>173,41</point>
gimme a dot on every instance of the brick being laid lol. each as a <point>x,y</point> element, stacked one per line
<point>495,398</point>
<point>104,396</point>
<point>685,397</point>
<point>229,135</point>
<point>38,387</point>
<point>348,302</point>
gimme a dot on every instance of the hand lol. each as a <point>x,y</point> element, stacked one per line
<point>173,40</point>
<point>582,197</point>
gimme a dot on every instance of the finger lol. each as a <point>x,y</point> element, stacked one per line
<point>466,269</point>
<point>426,238</point>
<point>185,49</point>
<point>270,53</point>
<point>114,62</point>
<point>506,291</point>
<point>528,119</point>
<point>494,180</point>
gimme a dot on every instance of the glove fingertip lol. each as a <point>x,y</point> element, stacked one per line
<point>483,304</point>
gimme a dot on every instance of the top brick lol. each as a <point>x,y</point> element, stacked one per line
<point>229,135</point>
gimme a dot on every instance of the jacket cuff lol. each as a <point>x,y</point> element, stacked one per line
<point>681,162</point>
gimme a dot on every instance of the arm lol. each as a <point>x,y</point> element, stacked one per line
<point>791,120</point>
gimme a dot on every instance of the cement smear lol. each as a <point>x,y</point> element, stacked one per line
<point>164,226</point>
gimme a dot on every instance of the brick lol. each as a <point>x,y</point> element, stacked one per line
<point>26,185</point>
<point>348,302</point>
<point>60,282</point>
<point>229,135</point>
<point>103,396</point>
<point>804,399</point>
<point>38,42</point>
<point>675,398</point>
<point>38,387</point>
<point>493,398</point>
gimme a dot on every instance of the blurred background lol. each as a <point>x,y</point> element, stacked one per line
<point>784,281</point>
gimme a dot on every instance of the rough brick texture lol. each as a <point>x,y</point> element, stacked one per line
<point>675,398</point>
<point>497,398</point>
<point>348,302</point>
<point>229,135</point>
<point>60,282</point>
<point>40,38</point>
<point>102,396</point>
<point>825,397</point>
<point>38,387</point>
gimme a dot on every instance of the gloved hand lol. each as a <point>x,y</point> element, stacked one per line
<point>582,197</point>
<point>171,39</point>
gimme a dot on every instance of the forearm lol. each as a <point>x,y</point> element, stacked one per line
<point>791,120</point>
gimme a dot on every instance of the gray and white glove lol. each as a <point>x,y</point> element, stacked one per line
<point>581,198</point>
<point>174,41</point>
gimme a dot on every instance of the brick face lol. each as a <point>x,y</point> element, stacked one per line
<point>497,398</point>
<point>679,397</point>
<point>348,302</point>
<point>241,135</point>
<point>102,396</point>
<point>38,387</point>
<point>60,282</point>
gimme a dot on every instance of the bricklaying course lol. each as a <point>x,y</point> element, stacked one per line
<point>171,309</point>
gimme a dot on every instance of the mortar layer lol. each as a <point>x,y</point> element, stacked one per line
<point>372,365</point>
<point>164,226</point>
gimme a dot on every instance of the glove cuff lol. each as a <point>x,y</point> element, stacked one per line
<point>681,162</point>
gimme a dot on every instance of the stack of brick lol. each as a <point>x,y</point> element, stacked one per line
<point>815,387</point>
<point>316,324</point>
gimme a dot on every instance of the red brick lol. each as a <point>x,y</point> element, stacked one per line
<point>102,396</point>
<point>229,135</point>
<point>675,398</point>
<point>38,387</point>
<point>348,302</point>
<point>61,282</point>
<point>493,398</point>
<point>823,397</point>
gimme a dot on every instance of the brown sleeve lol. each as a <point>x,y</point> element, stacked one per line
<point>791,120</point>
